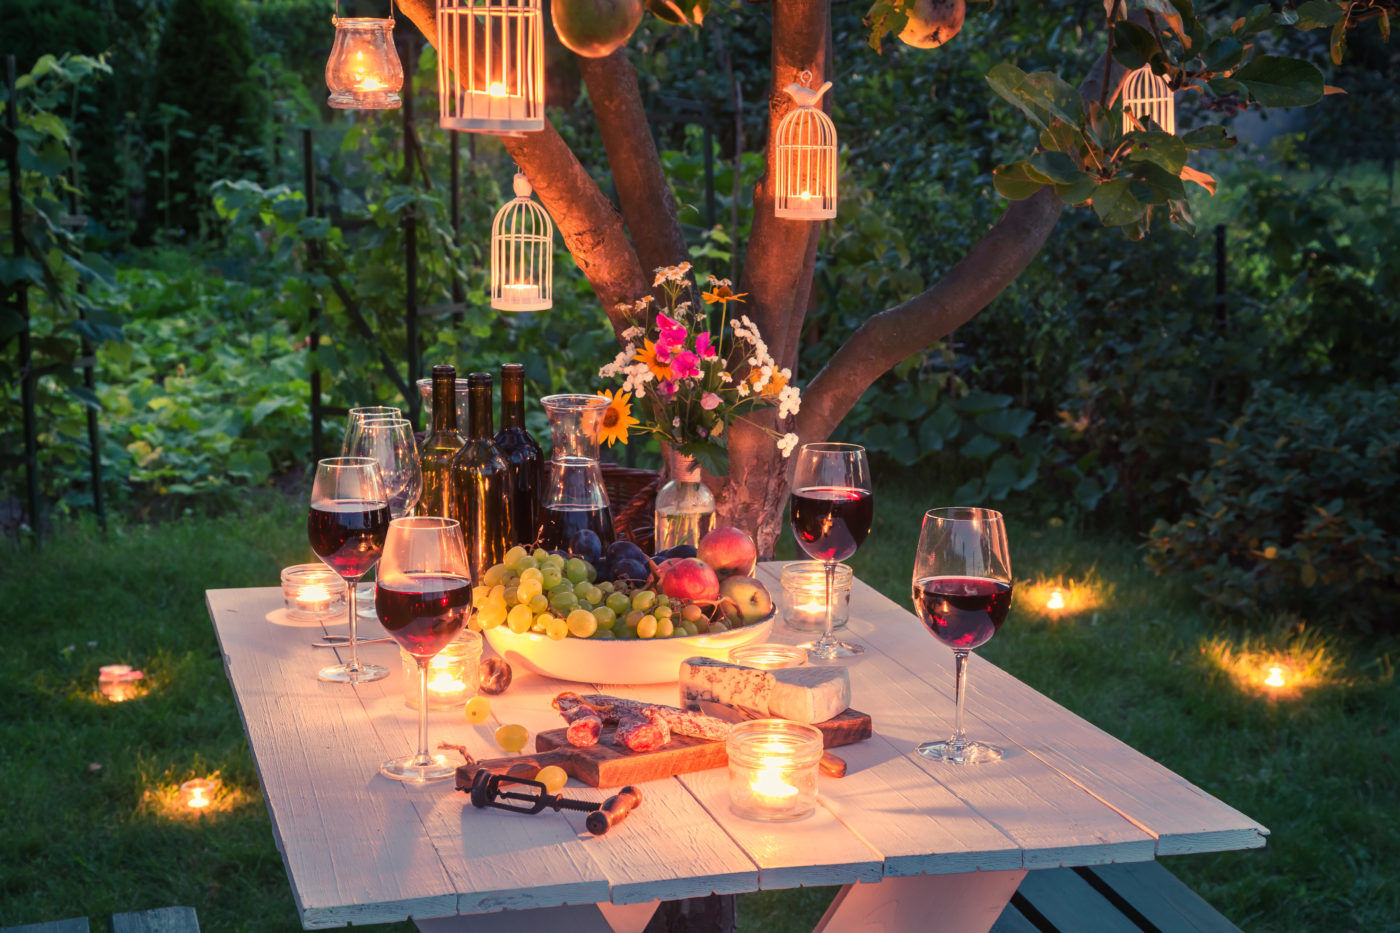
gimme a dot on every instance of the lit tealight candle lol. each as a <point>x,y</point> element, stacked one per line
<point>497,89</point>
<point>806,195</point>
<point>313,598</point>
<point>520,293</point>
<point>1056,600</point>
<point>198,793</point>
<point>770,789</point>
<point>118,682</point>
<point>773,769</point>
<point>1275,677</point>
<point>369,84</point>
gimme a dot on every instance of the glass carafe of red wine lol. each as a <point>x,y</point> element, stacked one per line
<point>574,497</point>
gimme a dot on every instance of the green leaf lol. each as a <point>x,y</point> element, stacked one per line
<point>1056,166</point>
<point>1115,204</point>
<point>267,406</point>
<point>1010,83</point>
<point>1152,184</point>
<point>981,445</point>
<point>1164,149</point>
<point>1079,191</point>
<point>1318,14</point>
<point>979,402</point>
<point>19,268</point>
<point>941,425</point>
<point>86,396</point>
<point>712,457</point>
<point>1209,137</point>
<point>1133,46</point>
<point>1275,81</point>
<point>1017,181</point>
<point>1011,422</point>
<point>1223,53</point>
<point>11,323</point>
<point>1259,18</point>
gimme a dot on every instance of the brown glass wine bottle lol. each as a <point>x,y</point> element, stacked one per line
<point>480,484</point>
<point>522,455</point>
<point>440,446</point>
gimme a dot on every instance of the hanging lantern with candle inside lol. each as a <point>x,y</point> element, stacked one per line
<point>1148,99</point>
<point>522,262</point>
<point>805,153</point>
<point>491,65</point>
<point>363,72</point>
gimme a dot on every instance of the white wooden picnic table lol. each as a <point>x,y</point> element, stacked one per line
<point>916,844</point>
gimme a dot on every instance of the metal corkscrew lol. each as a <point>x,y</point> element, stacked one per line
<point>487,792</point>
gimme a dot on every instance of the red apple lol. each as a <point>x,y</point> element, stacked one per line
<point>690,579</point>
<point>730,551</point>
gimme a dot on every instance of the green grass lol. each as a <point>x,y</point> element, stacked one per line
<point>1319,771</point>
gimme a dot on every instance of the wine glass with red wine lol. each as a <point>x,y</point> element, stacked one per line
<point>962,591</point>
<point>347,523</point>
<point>423,596</point>
<point>831,511</point>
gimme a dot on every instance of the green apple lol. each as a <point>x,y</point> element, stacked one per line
<point>750,598</point>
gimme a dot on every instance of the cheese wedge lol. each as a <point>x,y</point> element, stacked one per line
<point>802,694</point>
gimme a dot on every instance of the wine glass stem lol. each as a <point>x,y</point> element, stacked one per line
<point>830,569</point>
<point>350,583</point>
<point>960,667</point>
<point>423,757</point>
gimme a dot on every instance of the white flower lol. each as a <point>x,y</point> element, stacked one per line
<point>725,377</point>
<point>789,401</point>
<point>743,389</point>
<point>675,422</point>
<point>632,333</point>
<point>787,443</point>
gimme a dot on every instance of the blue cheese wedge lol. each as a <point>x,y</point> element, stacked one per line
<point>722,682</point>
<point>809,694</point>
<point>802,694</point>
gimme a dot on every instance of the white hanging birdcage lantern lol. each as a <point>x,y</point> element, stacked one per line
<point>363,71</point>
<point>522,254</point>
<point>805,152</point>
<point>1148,98</point>
<point>490,65</point>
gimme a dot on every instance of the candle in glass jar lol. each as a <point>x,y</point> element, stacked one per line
<point>804,596</point>
<point>118,682</point>
<point>773,769</point>
<point>452,673</point>
<point>198,793</point>
<point>312,592</point>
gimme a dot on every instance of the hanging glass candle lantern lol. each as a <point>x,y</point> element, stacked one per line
<point>1148,98</point>
<point>363,72</point>
<point>805,152</point>
<point>491,65</point>
<point>522,244</point>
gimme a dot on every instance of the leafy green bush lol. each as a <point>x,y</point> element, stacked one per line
<point>1297,510</point>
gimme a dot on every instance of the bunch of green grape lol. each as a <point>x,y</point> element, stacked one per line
<point>558,597</point>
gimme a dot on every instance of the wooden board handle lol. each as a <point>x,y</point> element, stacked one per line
<point>614,810</point>
<point>833,765</point>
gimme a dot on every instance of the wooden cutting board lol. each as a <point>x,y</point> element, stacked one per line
<point>609,765</point>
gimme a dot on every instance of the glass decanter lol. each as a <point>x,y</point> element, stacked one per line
<point>574,497</point>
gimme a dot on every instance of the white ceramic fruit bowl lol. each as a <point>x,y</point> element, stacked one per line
<point>608,661</point>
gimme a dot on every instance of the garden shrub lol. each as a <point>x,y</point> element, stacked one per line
<point>1297,510</point>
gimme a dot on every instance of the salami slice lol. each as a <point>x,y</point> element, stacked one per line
<point>644,733</point>
<point>679,721</point>
<point>585,722</point>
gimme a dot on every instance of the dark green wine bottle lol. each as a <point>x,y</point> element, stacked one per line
<point>522,455</point>
<point>480,484</point>
<point>440,446</point>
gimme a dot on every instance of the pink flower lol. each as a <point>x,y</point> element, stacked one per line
<point>667,387</point>
<point>703,347</point>
<point>710,401</point>
<point>664,351</point>
<point>672,331</point>
<point>685,365</point>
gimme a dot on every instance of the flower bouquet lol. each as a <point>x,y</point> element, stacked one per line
<point>697,375</point>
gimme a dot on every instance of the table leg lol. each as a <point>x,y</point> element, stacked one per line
<point>967,903</point>
<point>575,918</point>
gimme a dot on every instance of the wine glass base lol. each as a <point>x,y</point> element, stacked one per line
<point>343,674</point>
<point>832,650</point>
<point>411,771</point>
<point>973,753</point>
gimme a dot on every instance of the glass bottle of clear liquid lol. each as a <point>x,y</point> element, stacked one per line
<point>685,507</point>
<point>440,446</point>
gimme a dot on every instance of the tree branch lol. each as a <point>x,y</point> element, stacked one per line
<point>773,265</point>
<point>589,224</point>
<point>647,203</point>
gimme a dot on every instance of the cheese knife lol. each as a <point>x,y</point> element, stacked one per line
<point>830,764</point>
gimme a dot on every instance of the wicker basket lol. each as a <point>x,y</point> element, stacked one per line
<point>632,493</point>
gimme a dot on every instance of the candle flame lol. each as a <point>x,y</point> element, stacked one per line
<point>197,798</point>
<point>1275,678</point>
<point>445,682</point>
<point>315,593</point>
<point>369,84</point>
<point>806,195</point>
<point>769,782</point>
<point>497,89</point>
<point>1056,600</point>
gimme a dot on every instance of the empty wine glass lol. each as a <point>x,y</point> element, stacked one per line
<point>832,508</point>
<point>962,592</point>
<point>347,523</point>
<point>423,597</point>
<point>357,415</point>
<point>389,442</point>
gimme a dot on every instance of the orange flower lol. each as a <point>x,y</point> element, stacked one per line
<point>723,294</point>
<point>647,354</point>
<point>617,417</point>
<point>776,381</point>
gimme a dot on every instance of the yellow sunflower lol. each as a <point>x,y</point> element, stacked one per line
<point>647,354</point>
<point>617,418</point>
